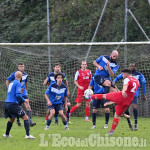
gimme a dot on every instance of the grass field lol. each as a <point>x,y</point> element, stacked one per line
<point>80,136</point>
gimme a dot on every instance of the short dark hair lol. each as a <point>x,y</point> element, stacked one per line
<point>127,71</point>
<point>59,74</point>
<point>20,63</point>
<point>133,63</point>
<point>56,64</point>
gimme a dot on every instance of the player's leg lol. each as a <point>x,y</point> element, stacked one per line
<point>18,120</point>
<point>52,113</point>
<point>128,119</point>
<point>87,110</point>
<point>56,118</point>
<point>28,108</point>
<point>68,111</point>
<point>135,112</point>
<point>47,114</point>
<point>64,120</point>
<point>107,114</point>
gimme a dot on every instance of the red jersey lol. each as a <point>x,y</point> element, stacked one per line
<point>133,84</point>
<point>83,78</point>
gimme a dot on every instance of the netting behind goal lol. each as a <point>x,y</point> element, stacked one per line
<point>36,62</point>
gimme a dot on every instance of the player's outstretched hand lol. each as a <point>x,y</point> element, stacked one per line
<point>49,103</point>
<point>144,98</point>
<point>124,94</point>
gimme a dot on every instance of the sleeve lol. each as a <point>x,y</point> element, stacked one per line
<point>18,92</point>
<point>66,92</point>
<point>76,75</point>
<point>26,79</point>
<point>98,60</point>
<point>49,80</point>
<point>119,77</point>
<point>65,78</point>
<point>126,81</point>
<point>92,82</point>
<point>90,74</point>
<point>115,69</point>
<point>11,77</point>
<point>143,82</point>
<point>48,91</point>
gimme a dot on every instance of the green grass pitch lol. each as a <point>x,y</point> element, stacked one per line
<point>80,136</point>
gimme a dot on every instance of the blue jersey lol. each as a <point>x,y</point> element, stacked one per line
<point>23,82</point>
<point>56,93</point>
<point>102,61</point>
<point>98,89</point>
<point>14,88</point>
<point>137,75</point>
<point>51,78</point>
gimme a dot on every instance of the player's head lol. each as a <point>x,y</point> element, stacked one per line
<point>83,65</point>
<point>18,75</point>
<point>21,66</point>
<point>126,73</point>
<point>57,67</point>
<point>132,66</point>
<point>59,77</point>
<point>114,55</point>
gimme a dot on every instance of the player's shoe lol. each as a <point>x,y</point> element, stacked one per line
<point>56,122</point>
<point>47,128</point>
<point>66,128</point>
<point>29,137</point>
<point>111,132</point>
<point>19,123</point>
<point>135,127</point>
<point>87,120</point>
<point>93,127</point>
<point>131,127</point>
<point>32,124</point>
<point>7,136</point>
<point>106,126</point>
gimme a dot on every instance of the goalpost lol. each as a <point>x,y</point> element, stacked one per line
<point>36,60</point>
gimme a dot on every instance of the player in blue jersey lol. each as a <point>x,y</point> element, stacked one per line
<point>55,94</point>
<point>24,91</point>
<point>49,80</point>
<point>13,109</point>
<point>138,75</point>
<point>107,67</point>
<point>98,89</point>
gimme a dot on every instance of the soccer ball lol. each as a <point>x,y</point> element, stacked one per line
<point>87,93</point>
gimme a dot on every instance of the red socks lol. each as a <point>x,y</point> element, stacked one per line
<point>87,111</point>
<point>46,117</point>
<point>114,124</point>
<point>97,96</point>
<point>73,109</point>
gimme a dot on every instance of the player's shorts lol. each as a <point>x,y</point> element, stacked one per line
<point>57,107</point>
<point>98,103</point>
<point>21,102</point>
<point>80,98</point>
<point>135,100</point>
<point>120,109</point>
<point>99,79</point>
<point>13,110</point>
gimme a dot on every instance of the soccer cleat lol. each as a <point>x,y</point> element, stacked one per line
<point>32,124</point>
<point>131,127</point>
<point>93,127</point>
<point>19,124</point>
<point>111,132</point>
<point>29,137</point>
<point>66,128</point>
<point>46,128</point>
<point>135,127</point>
<point>7,136</point>
<point>106,126</point>
<point>87,120</point>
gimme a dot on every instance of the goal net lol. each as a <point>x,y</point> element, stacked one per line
<point>39,58</point>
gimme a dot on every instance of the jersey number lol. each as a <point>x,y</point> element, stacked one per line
<point>134,87</point>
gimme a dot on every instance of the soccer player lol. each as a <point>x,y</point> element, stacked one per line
<point>107,67</point>
<point>24,91</point>
<point>13,109</point>
<point>98,89</point>
<point>49,80</point>
<point>138,75</point>
<point>82,79</point>
<point>123,99</point>
<point>55,94</point>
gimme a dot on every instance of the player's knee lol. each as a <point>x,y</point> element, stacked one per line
<point>94,110</point>
<point>88,104</point>
<point>107,110</point>
<point>12,120</point>
<point>134,106</point>
<point>78,104</point>
<point>25,117</point>
<point>69,104</point>
<point>107,83</point>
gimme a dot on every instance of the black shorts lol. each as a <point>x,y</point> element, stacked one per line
<point>100,79</point>
<point>98,103</point>
<point>13,110</point>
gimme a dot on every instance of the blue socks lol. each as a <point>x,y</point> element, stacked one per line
<point>9,125</point>
<point>94,118</point>
<point>27,127</point>
<point>107,117</point>
<point>135,112</point>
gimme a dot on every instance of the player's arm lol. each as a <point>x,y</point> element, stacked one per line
<point>66,106</point>
<point>45,81</point>
<point>47,99</point>
<point>9,79</point>
<point>111,73</point>
<point>26,86</point>
<point>76,81</point>
<point>96,63</point>
<point>125,87</point>
<point>7,83</point>
<point>67,87</point>
<point>119,77</point>
<point>143,82</point>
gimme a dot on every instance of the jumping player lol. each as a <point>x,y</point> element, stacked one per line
<point>123,99</point>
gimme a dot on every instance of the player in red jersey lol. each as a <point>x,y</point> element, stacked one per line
<point>123,99</point>
<point>82,79</point>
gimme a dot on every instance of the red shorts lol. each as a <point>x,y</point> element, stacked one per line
<point>120,109</point>
<point>80,98</point>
